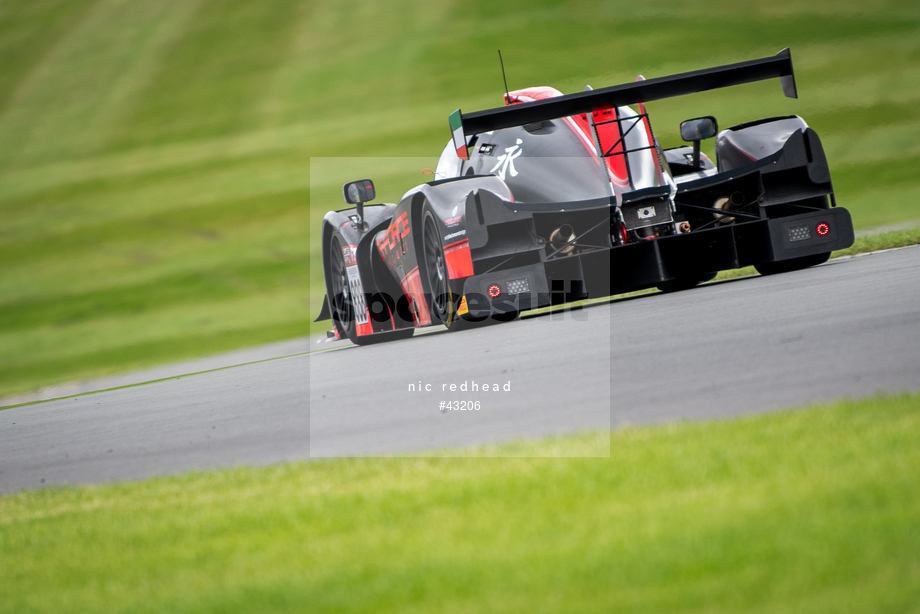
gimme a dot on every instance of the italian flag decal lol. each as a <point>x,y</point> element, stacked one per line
<point>456,128</point>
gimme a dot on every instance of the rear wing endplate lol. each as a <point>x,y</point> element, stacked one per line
<point>780,65</point>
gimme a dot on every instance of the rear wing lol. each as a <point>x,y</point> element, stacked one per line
<point>780,65</point>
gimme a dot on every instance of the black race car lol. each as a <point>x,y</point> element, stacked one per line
<point>554,198</point>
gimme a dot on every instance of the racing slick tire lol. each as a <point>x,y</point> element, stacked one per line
<point>685,283</point>
<point>444,301</point>
<point>793,264</point>
<point>341,306</point>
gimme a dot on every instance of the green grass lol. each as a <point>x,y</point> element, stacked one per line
<point>800,511</point>
<point>885,240</point>
<point>155,168</point>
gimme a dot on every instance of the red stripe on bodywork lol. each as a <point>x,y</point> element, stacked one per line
<point>450,245</point>
<point>367,328</point>
<point>412,287</point>
<point>608,135</point>
<point>578,124</point>
<point>459,261</point>
<point>542,93</point>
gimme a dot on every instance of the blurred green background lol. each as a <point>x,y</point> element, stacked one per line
<point>155,175</point>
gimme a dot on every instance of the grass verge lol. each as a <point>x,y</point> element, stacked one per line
<point>799,511</point>
<point>877,242</point>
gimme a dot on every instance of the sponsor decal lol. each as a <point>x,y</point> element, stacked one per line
<point>348,254</point>
<point>463,308</point>
<point>505,164</point>
<point>453,221</point>
<point>398,230</point>
<point>452,235</point>
<point>486,149</point>
<point>357,294</point>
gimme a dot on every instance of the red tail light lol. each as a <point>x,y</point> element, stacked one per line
<point>822,229</point>
<point>494,291</point>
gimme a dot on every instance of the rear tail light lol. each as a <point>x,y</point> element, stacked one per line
<point>822,229</point>
<point>494,291</point>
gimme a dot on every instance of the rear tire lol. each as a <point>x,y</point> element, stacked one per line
<point>444,301</point>
<point>442,306</point>
<point>794,264</point>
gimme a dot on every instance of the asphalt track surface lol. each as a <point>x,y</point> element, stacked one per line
<point>848,328</point>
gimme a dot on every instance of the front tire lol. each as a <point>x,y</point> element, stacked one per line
<point>340,304</point>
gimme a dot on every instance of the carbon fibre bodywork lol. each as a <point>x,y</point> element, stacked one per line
<point>531,208</point>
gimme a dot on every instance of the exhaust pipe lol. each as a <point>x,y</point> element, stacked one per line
<point>559,237</point>
<point>728,203</point>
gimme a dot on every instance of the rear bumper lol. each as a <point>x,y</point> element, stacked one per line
<point>649,263</point>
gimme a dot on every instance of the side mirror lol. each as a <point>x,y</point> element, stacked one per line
<point>695,130</point>
<point>698,129</point>
<point>357,193</point>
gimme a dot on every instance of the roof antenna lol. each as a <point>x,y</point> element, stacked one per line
<point>505,79</point>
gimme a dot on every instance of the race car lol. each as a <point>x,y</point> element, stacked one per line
<point>554,198</point>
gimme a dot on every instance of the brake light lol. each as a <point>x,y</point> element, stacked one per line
<point>494,291</point>
<point>822,229</point>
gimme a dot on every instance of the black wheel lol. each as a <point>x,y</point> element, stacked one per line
<point>340,304</point>
<point>685,283</point>
<point>442,300</point>
<point>794,264</point>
